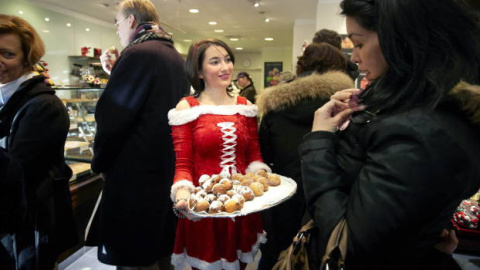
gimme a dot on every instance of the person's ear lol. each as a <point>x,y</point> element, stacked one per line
<point>132,21</point>
<point>200,74</point>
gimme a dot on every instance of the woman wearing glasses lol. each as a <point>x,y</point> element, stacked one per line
<point>397,161</point>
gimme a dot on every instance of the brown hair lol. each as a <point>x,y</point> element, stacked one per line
<point>321,57</point>
<point>329,36</point>
<point>195,57</point>
<point>32,45</point>
<point>143,10</point>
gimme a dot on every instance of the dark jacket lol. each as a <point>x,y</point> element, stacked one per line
<point>34,127</point>
<point>249,92</point>
<point>133,149</point>
<point>288,111</point>
<point>397,180</point>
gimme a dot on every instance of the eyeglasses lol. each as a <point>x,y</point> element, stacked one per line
<point>117,23</point>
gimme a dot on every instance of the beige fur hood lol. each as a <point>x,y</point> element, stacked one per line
<point>314,86</point>
<point>468,96</point>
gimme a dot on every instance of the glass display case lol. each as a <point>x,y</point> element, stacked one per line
<point>80,103</point>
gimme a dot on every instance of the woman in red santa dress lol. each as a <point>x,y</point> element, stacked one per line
<point>214,131</point>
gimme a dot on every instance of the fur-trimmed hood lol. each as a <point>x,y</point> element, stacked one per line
<point>468,97</point>
<point>282,96</point>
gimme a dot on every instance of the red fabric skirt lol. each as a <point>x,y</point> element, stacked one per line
<point>218,243</point>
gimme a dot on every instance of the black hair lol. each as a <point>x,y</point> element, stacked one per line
<point>194,61</point>
<point>429,46</point>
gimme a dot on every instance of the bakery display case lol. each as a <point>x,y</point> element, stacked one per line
<point>80,103</point>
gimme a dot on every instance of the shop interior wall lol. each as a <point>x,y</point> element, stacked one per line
<point>60,40</point>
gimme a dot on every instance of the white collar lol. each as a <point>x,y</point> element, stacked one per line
<point>8,89</point>
<point>176,118</point>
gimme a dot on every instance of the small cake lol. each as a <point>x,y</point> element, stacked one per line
<point>202,179</point>
<point>240,199</point>
<point>257,188</point>
<point>219,189</point>
<point>247,193</point>
<point>227,183</point>
<point>247,182</point>
<point>210,198</point>
<point>230,206</point>
<point>201,193</point>
<point>274,179</point>
<point>216,178</point>
<point>202,205</point>
<point>215,207</point>
<point>231,192</point>
<point>264,181</point>
<point>192,201</point>
<point>262,173</point>
<point>223,198</point>
<point>208,185</point>
<point>237,176</point>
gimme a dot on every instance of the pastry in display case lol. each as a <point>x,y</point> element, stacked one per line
<point>80,104</point>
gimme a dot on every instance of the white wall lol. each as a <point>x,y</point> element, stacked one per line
<point>328,16</point>
<point>303,31</point>
<point>62,41</point>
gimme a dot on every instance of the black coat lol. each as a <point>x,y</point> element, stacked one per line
<point>396,178</point>
<point>288,111</point>
<point>34,127</point>
<point>133,149</point>
<point>249,92</point>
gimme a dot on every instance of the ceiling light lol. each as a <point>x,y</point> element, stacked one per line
<point>234,39</point>
<point>20,12</point>
<point>212,23</point>
<point>238,48</point>
<point>47,19</point>
<point>69,25</point>
<point>87,29</point>
<point>257,4</point>
<point>269,39</point>
<point>267,20</point>
<point>218,30</point>
<point>193,10</point>
<point>46,31</point>
<point>187,40</point>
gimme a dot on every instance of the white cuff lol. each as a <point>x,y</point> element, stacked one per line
<point>256,166</point>
<point>179,185</point>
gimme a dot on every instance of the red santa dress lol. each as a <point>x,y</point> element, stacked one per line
<point>206,139</point>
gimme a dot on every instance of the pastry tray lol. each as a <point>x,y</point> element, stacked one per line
<point>274,196</point>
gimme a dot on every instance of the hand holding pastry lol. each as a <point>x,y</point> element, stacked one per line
<point>108,59</point>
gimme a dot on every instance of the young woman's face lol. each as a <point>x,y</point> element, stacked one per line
<point>217,68</point>
<point>12,64</point>
<point>366,51</point>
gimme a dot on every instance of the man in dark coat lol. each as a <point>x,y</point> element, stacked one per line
<point>133,148</point>
<point>245,82</point>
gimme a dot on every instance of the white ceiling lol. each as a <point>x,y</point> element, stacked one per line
<point>239,18</point>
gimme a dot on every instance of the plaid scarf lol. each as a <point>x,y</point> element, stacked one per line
<point>149,31</point>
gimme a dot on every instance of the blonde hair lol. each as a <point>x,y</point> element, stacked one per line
<point>143,10</point>
<point>32,45</point>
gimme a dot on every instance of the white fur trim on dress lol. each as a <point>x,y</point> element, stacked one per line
<point>181,261</point>
<point>181,184</point>
<point>257,165</point>
<point>176,118</point>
